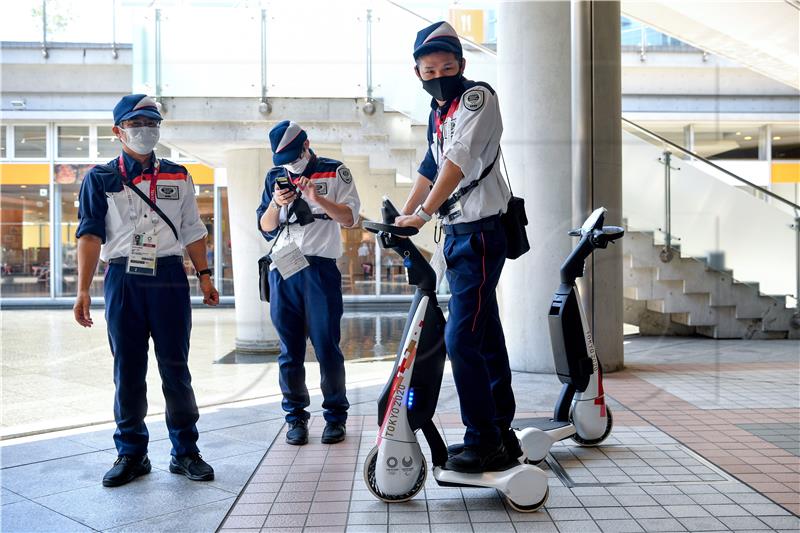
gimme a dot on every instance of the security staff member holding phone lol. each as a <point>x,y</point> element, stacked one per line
<point>138,213</point>
<point>306,200</point>
<point>459,179</point>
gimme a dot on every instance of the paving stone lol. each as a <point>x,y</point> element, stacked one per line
<point>578,526</point>
<point>706,523</point>
<point>619,526</point>
<point>660,524</point>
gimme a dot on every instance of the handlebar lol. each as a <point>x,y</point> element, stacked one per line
<point>377,227</point>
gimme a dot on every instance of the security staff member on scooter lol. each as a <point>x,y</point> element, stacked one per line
<point>458,178</point>
<point>306,200</point>
<point>138,213</point>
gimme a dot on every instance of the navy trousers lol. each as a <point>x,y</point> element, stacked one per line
<point>137,308</point>
<point>474,335</point>
<point>309,305</point>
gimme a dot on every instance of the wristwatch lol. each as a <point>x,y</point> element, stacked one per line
<point>205,271</point>
<point>422,214</point>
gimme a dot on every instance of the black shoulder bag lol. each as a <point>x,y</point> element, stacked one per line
<point>514,221</point>
<point>264,263</point>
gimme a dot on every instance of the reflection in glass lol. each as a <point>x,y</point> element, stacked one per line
<point>226,285</point>
<point>73,141</point>
<point>30,141</point>
<point>728,142</point>
<point>205,204</point>
<point>3,152</point>
<point>25,240</point>
<point>68,225</point>
<point>108,146</point>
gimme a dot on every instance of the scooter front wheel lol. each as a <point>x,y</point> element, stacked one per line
<point>594,442</point>
<point>369,478</point>
<point>529,508</point>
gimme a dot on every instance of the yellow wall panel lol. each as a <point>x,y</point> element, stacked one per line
<point>201,174</point>
<point>24,173</point>
<point>785,172</point>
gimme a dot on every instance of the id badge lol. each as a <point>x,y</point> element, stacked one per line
<point>455,211</point>
<point>289,260</point>
<point>439,264</point>
<point>142,259</point>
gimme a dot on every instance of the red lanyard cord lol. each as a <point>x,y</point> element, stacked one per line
<point>153,178</point>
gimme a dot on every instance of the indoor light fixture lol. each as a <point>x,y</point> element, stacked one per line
<point>747,138</point>
<point>776,138</point>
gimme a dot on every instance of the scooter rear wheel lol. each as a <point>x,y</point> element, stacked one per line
<point>369,478</point>
<point>529,508</point>
<point>606,433</point>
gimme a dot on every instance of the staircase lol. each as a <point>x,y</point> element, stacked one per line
<point>685,296</point>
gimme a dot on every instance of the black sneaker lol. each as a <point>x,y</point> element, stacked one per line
<point>510,441</point>
<point>298,433</point>
<point>192,466</point>
<point>126,468</point>
<point>474,461</point>
<point>334,432</point>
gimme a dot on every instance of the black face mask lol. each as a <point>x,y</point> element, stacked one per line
<point>444,88</point>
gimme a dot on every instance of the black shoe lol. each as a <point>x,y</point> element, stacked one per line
<point>334,432</point>
<point>510,441</point>
<point>126,468</point>
<point>191,466</point>
<point>474,461</point>
<point>298,433</point>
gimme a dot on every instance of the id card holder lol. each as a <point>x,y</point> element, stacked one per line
<point>439,264</point>
<point>143,258</point>
<point>289,260</point>
<point>455,211</point>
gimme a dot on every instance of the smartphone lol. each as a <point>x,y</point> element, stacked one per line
<point>285,183</point>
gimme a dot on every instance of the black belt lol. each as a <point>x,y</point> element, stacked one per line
<point>317,260</point>
<point>166,260</point>
<point>485,224</point>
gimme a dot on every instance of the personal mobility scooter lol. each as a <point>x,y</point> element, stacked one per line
<point>581,412</point>
<point>395,469</point>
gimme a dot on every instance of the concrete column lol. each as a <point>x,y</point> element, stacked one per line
<point>560,92</point>
<point>606,182</point>
<point>534,92</point>
<point>246,169</point>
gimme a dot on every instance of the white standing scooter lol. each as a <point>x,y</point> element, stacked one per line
<point>395,469</point>
<point>581,412</point>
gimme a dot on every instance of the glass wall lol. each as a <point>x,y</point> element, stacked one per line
<point>73,142</point>
<point>108,146</point>
<point>225,285</point>
<point>786,142</point>
<point>3,140</point>
<point>205,204</point>
<point>25,240</point>
<point>30,142</point>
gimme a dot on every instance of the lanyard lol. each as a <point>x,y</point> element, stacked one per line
<point>153,178</point>
<point>439,120</point>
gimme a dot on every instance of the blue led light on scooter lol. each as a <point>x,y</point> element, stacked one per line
<point>410,402</point>
<point>407,262</point>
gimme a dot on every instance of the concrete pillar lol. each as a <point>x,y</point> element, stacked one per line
<point>560,92</point>
<point>605,266</point>
<point>534,91</point>
<point>246,169</point>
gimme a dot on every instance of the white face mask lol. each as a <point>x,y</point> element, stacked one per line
<point>141,140</point>
<point>299,165</point>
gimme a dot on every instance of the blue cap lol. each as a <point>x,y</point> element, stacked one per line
<point>136,105</point>
<point>286,139</point>
<point>438,37</point>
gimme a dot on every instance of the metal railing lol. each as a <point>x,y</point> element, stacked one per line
<point>759,193</point>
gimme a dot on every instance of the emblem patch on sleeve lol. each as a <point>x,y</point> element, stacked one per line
<point>322,188</point>
<point>473,100</point>
<point>344,174</point>
<point>167,192</point>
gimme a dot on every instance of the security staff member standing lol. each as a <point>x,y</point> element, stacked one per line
<point>464,132</point>
<point>306,296</point>
<point>138,213</point>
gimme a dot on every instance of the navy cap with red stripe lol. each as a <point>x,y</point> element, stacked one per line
<point>438,37</point>
<point>136,105</point>
<point>286,140</point>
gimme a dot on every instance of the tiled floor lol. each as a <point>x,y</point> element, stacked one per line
<point>705,439</point>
